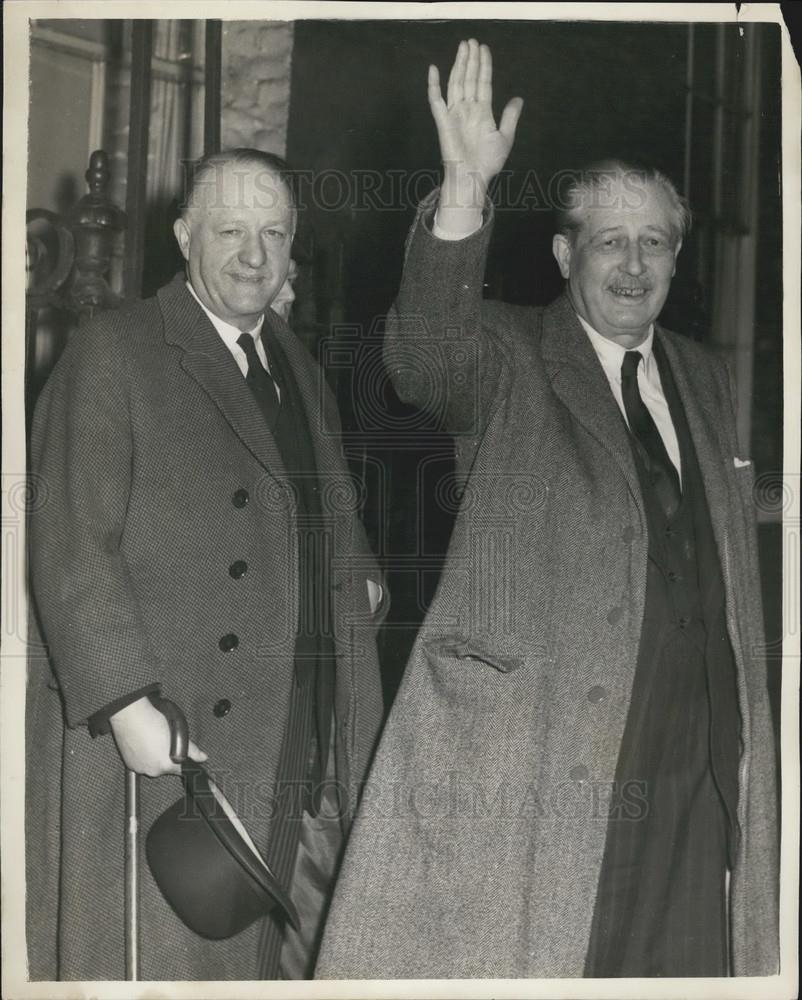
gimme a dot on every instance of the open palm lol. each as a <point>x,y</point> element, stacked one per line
<point>470,144</point>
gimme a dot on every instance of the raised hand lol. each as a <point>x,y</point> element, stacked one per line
<point>472,148</point>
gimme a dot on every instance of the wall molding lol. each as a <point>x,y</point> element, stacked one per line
<point>97,52</point>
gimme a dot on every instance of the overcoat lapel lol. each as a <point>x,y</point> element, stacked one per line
<point>694,394</point>
<point>578,379</point>
<point>208,361</point>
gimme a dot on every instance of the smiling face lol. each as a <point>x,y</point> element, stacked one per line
<point>620,262</point>
<point>236,237</point>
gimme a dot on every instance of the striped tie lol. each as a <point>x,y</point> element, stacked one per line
<point>652,450</point>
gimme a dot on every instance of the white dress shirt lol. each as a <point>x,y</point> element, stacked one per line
<point>230,335</point>
<point>611,357</point>
<point>445,234</point>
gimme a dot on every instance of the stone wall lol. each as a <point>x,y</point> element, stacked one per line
<point>256,84</point>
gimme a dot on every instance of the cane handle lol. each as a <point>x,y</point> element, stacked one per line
<point>179,730</point>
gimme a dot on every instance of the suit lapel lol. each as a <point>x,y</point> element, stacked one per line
<point>208,361</point>
<point>314,396</point>
<point>578,379</point>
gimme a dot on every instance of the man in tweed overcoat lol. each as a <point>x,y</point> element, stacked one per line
<point>577,777</point>
<point>164,555</point>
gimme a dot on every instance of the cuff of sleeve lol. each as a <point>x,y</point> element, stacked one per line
<point>376,595</point>
<point>445,234</point>
<point>426,219</point>
<point>99,722</point>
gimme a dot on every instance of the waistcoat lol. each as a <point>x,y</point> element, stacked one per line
<point>661,906</point>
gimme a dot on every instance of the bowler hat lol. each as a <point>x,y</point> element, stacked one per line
<point>207,866</point>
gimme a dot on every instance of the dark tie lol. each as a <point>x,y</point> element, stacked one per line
<point>652,450</point>
<point>260,382</point>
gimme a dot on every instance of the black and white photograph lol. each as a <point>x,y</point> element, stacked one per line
<point>401,500</point>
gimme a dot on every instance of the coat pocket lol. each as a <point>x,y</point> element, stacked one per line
<point>470,649</point>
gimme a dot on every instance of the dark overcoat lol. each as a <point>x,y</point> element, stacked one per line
<point>156,472</point>
<point>478,846</point>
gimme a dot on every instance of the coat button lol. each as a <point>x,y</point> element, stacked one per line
<point>684,622</point>
<point>628,533</point>
<point>222,708</point>
<point>597,694</point>
<point>238,569</point>
<point>671,576</point>
<point>614,615</point>
<point>578,773</point>
<point>240,498</point>
<point>228,642</point>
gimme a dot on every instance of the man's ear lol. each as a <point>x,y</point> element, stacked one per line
<point>677,249</point>
<point>561,248</point>
<point>181,230</point>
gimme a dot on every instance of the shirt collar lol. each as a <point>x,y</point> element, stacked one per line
<point>227,331</point>
<point>611,355</point>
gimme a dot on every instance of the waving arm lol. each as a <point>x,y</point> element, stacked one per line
<point>440,355</point>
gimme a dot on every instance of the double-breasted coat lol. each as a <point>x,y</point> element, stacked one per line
<point>478,846</point>
<point>155,473</point>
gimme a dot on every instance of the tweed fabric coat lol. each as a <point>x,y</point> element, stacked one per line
<point>478,845</point>
<point>143,437</point>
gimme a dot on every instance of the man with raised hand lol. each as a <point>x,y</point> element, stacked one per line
<point>577,777</point>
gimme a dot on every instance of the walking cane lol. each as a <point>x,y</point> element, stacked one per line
<point>179,742</point>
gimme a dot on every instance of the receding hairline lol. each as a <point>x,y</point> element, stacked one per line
<point>257,159</point>
<point>572,212</point>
